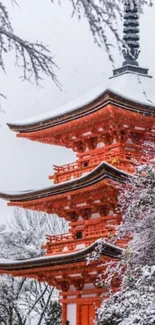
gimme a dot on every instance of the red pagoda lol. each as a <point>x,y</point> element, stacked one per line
<point>108,129</point>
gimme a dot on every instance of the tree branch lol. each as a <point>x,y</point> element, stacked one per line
<point>34,58</point>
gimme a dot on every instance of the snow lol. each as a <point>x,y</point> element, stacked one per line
<point>133,304</point>
<point>12,194</point>
<point>13,262</point>
<point>136,87</point>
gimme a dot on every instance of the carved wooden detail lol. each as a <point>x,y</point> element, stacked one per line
<point>92,143</point>
<point>79,283</point>
<point>64,285</point>
<point>73,216</point>
<point>85,213</point>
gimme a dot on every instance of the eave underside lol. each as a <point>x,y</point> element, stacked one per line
<point>64,271</point>
<point>104,124</point>
<point>48,263</point>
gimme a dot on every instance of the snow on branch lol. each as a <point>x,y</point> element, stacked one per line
<point>35,58</point>
<point>4,17</point>
<point>131,305</point>
<point>134,303</point>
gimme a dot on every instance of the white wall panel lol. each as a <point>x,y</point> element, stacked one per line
<point>71,313</point>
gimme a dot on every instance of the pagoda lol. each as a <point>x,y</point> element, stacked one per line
<point>108,129</point>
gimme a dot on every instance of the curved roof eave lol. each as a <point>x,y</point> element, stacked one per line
<point>104,170</point>
<point>46,261</point>
<point>71,111</point>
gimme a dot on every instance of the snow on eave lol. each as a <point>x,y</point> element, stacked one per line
<point>46,191</point>
<point>9,264</point>
<point>78,104</point>
<point>61,111</point>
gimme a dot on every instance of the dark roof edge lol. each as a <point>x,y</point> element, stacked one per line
<point>46,261</point>
<point>129,104</point>
<point>104,170</point>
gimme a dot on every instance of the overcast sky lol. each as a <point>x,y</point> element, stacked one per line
<point>82,66</point>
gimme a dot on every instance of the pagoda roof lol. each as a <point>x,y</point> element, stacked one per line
<point>60,259</point>
<point>135,91</point>
<point>102,171</point>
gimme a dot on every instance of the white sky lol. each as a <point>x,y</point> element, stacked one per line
<point>83,65</point>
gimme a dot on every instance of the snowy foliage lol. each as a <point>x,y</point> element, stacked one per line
<point>134,303</point>
<point>137,205</point>
<point>95,255</point>
<point>26,301</point>
<point>31,228</point>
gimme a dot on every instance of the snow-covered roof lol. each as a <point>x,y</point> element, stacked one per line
<point>103,170</point>
<point>13,265</point>
<point>131,86</point>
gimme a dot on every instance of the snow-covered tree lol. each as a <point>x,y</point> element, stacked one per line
<point>26,231</point>
<point>137,205</point>
<point>26,301</point>
<point>134,303</point>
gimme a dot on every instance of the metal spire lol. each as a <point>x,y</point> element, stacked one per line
<point>131,47</point>
<point>131,33</point>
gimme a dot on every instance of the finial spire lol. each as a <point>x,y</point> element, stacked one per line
<point>131,47</point>
<point>131,33</point>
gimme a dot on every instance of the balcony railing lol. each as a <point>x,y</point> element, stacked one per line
<point>82,235</point>
<point>124,157</point>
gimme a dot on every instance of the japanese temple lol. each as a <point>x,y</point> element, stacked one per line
<point>108,129</point>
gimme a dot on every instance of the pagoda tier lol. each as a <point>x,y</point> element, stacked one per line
<point>38,266</point>
<point>124,156</point>
<point>113,129</point>
<point>72,275</point>
<point>124,90</point>
<point>113,119</point>
<point>88,203</point>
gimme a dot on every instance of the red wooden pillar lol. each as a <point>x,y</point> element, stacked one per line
<point>64,312</point>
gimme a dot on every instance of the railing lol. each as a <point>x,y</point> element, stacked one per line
<point>90,230</point>
<point>116,154</point>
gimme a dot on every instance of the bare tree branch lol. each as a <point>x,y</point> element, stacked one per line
<point>40,296</point>
<point>45,308</point>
